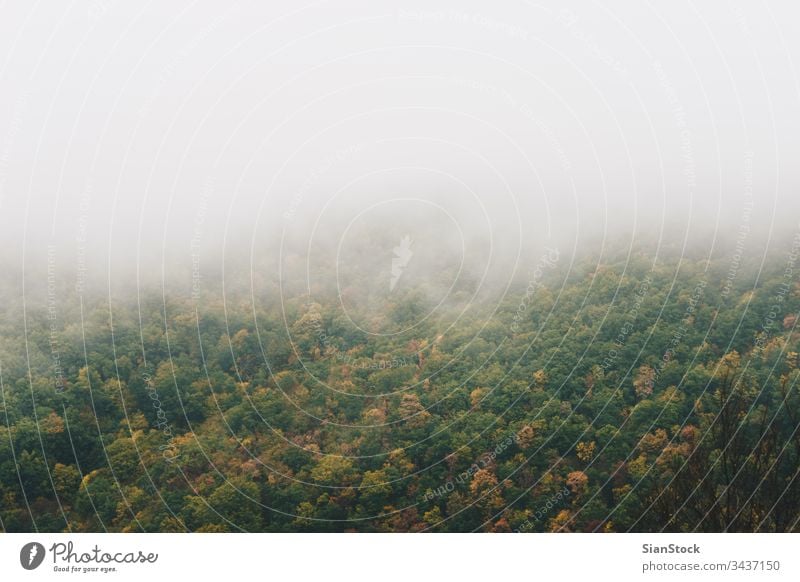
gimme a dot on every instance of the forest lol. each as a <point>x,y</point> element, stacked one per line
<point>640,391</point>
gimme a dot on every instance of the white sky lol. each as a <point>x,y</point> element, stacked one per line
<point>146,125</point>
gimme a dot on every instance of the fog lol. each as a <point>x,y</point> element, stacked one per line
<point>159,138</point>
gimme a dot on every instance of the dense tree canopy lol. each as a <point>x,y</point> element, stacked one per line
<point>634,395</point>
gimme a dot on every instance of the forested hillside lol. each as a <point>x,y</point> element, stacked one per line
<point>639,394</point>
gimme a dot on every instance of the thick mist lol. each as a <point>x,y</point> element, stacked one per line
<point>180,141</point>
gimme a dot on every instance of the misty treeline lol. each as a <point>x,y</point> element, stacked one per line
<point>640,393</point>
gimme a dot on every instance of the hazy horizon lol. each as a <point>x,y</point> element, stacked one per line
<point>131,132</point>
